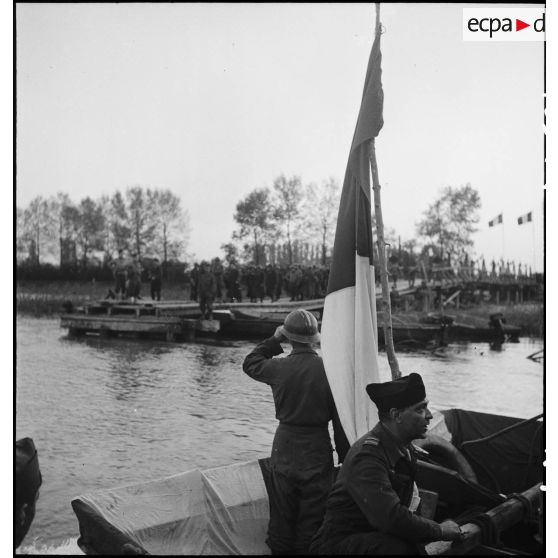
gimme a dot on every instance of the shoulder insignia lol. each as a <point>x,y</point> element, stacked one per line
<point>371,441</point>
<point>419,450</point>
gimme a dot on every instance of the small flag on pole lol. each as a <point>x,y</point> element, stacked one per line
<point>527,218</point>
<point>349,327</point>
<point>496,221</point>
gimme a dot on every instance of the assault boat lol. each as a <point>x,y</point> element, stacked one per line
<point>484,470</point>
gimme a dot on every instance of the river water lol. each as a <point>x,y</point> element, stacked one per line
<point>109,412</point>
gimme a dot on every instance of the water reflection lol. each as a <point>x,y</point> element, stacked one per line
<point>131,370</point>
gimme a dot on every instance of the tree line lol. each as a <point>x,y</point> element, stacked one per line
<point>273,222</point>
<point>289,222</point>
<point>141,220</point>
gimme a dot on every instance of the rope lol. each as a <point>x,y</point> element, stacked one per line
<point>503,431</point>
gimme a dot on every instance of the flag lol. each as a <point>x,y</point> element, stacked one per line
<point>496,221</point>
<point>527,218</point>
<point>349,327</point>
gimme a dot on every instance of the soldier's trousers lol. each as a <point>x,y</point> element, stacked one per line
<point>300,481</point>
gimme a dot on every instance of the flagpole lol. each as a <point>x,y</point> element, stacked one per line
<point>386,305</point>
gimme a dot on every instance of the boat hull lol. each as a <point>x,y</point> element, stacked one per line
<point>226,510</point>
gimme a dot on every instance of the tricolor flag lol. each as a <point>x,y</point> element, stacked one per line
<point>527,218</point>
<point>496,221</point>
<point>349,327</point>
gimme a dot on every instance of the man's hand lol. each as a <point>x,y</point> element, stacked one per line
<point>450,530</point>
<point>278,335</point>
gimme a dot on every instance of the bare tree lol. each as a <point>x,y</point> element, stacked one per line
<point>91,227</point>
<point>253,217</point>
<point>171,224</point>
<point>321,206</point>
<point>450,220</point>
<point>38,228</point>
<point>287,204</point>
<point>140,221</point>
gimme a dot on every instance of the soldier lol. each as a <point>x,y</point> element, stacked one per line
<point>270,281</point>
<point>217,268</point>
<point>193,281</point>
<point>119,273</point>
<point>259,288</point>
<point>250,282</point>
<point>301,459</point>
<point>207,288</point>
<point>294,279</point>
<point>28,480</point>
<point>412,275</point>
<point>394,298</point>
<point>281,273</point>
<point>133,284</point>
<point>371,508</point>
<point>155,278</point>
<point>232,283</point>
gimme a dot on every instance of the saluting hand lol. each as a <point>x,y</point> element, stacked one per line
<point>279,335</point>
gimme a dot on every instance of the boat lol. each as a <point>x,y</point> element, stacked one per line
<point>225,510</point>
<point>497,329</point>
<point>256,323</point>
<point>179,320</point>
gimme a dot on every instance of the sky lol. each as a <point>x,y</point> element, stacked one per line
<point>215,100</point>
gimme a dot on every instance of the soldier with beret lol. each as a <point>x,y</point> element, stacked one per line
<point>302,466</point>
<point>27,483</point>
<point>371,508</point>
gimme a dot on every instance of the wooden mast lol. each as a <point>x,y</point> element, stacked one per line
<point>386,303</point>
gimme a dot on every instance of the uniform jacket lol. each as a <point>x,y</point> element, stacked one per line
<point>373,491</point>
<point>300,388</point>
<point>207,284</point>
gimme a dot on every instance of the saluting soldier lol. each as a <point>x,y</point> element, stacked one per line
<point>371,508</point>
<point>302,457</point>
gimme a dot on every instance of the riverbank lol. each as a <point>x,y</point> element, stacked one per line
<point>47,299</point>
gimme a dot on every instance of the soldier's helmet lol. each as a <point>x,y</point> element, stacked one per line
<point>301,326</point>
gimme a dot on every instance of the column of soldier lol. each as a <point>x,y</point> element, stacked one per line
<point>233,282</point>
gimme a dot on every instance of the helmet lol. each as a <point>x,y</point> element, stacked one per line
<point>302,326</point>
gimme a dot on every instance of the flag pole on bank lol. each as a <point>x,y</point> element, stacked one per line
<point>349,325</point>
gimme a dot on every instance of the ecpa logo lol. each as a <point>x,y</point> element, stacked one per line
<point>503,24</point>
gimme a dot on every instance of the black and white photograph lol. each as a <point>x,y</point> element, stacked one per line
<point>280,278</point>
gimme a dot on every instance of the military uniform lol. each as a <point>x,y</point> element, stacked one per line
<point>207,289</point>
<point>368,508</point>
<point>156,278</point>
<point>120,275</point>
<point>301,461</point>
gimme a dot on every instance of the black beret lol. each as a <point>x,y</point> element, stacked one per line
<point>28,475</point>
<point>397,394</point>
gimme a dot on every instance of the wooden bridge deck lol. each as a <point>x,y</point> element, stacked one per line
<point>181,319</point>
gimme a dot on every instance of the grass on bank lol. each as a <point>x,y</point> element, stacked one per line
<point>46,299</point>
